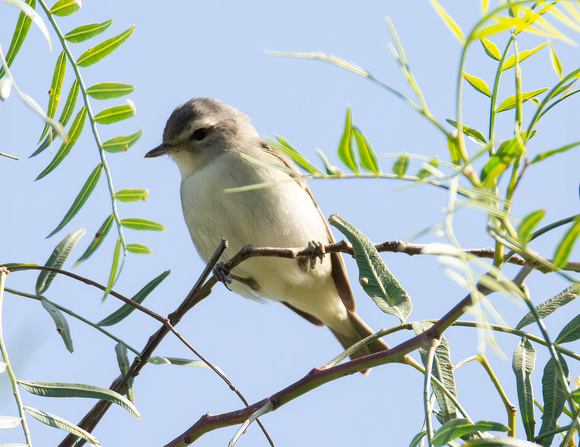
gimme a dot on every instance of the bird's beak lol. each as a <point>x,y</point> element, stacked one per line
<point>162,149</point>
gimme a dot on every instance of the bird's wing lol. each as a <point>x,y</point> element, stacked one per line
<point>338,268</point>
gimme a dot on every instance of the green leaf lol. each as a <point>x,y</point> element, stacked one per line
<point>454,151</point>
<point>490,48</point>
<point>374,276</point>
<point>451,24</point>
<point>106,47</point>
<point>126,309</point>
<point>97,240</point>
<point>523,364</point>
<point>550,305</point>
<point>424,172</point>
<point>56,260</point>
<point>107,90</point>
<point>473,133</point>
<point>67,111</point>
<point>556,64</point>
<point>477,83</point>
<point>158,360</point>
<point>461,427</point>
<point>73,135</point>
<point>140,223</point>
<point>510,101</point>
<point>549,153</point>
<point>570,332</point>
<point>55,89</point>
<point>65,7</point>
<point>511,61</point>
<point>131,194</point>
<point>499,442</point>
<point>62,424</point>
<point>442,370</point>
<point>527,224</point>
<point>507,153</point>
<point>138,248</point>
<point>565,246</point>
<point>80,199</point>
<point>554,394</point>
<point>121,143</point>
<point>401,164</point>
<point>116,268</point>
<point>9,422</point>
<point>116,113</point>
<point>62,326</point>
<point>84,32</point>
<point>66,389</point>
<point>124,366</point>
<point>345,150</point>
<point>368,158</point>
<point>285,147</point>
<point>417,439</point>
<point>20,32</point>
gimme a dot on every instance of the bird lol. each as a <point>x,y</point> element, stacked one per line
<point>234,185</point>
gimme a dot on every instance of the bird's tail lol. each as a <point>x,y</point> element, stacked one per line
<point>356,332</point>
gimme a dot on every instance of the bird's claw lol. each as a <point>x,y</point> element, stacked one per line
<point>222,273</point>
<point>317,252</point>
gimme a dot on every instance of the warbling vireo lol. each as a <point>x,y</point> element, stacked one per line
<point>217,149</point>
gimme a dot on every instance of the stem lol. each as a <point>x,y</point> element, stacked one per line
<point>9,370</point>
<point>426,388</point>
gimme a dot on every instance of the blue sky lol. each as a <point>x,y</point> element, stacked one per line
<point>185,49</point>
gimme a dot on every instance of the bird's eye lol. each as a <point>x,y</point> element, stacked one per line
<point>199,134</point>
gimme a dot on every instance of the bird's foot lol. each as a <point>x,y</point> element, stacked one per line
<point>222,273</point>
<point>317,252</point>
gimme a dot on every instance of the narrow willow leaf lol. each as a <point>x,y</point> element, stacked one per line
<point>126,309</point>
<point>527,224</point>
<point>67,111</point>
<point>107,90</point>
<point>140,223</point>
<point>62,326</point>
<point>124,366</point>
<point>510,101</point>
<point>401,164</point>
<point>56,260</point>
<point>477,83</point>
<point>121,143</point>
<point>470,132</point>
<point>550,305</point>
<point>511,61</point>
<point>9,422</point>
<point>502,25</point>
<point>66,389</point>
<point>55,88</point>
<point>84,32</point>
<point>454,151</point>
<point>499,442</point>
<point>330,168</point>
<point>138,248</point>
<point>116,268</point>
<point>65,7</point>
<point>374,276</point>
<point>28,9</point>
<point>570,332</point>
<point>556,64</point>
<point>345,151</point>
<point>368,158</point>
<point>424,172</point>
<point>451,24</point>
<point>131,194</point>
<point>523,364</point>
<point>20,32</point>
<point>442,370</point>
<point>106,47</point>
<point>565,246</point>
<point>490,49</point>
<point>417,439</point>
<point>284,146</point>
<point>62,424</point>
<point>554,394</point>
<point>549,153</point>
<point>73,135</point>
<point>159,360</point>
<point>116,113</point>
<point>97,240</point>
<point>461,427</point>
<point>80,199</point>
